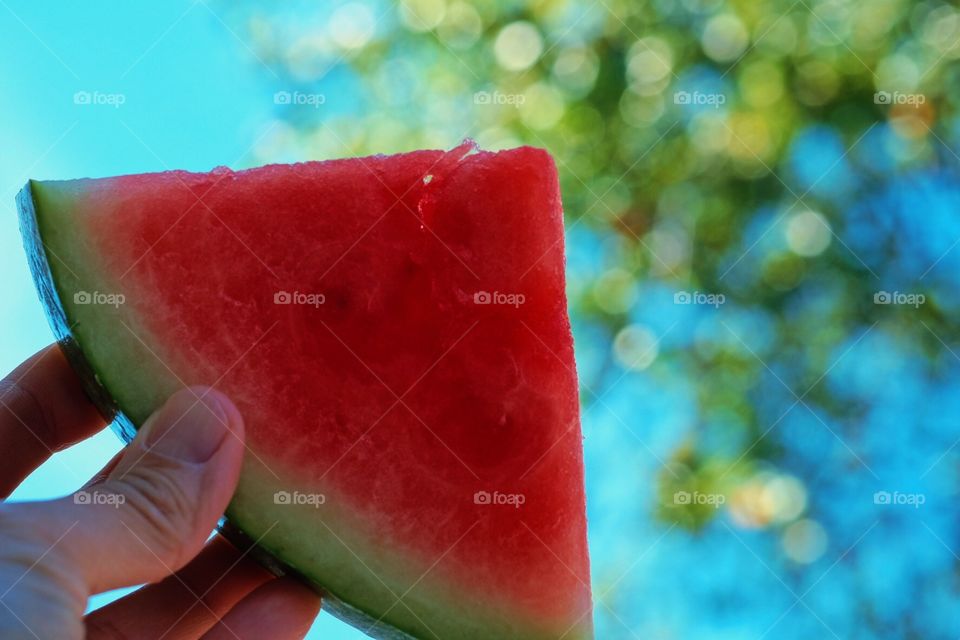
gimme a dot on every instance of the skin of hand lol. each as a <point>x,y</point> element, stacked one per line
<point>146,518</point>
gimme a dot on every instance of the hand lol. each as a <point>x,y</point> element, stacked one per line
<point>144,519</point>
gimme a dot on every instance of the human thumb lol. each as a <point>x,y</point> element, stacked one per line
<point>160,502</point>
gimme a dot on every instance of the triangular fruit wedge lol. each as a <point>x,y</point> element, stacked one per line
<point>394,331</point>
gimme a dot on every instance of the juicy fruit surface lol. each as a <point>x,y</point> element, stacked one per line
<point>394,331</point>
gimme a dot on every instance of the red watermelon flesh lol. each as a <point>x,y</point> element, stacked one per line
<point>394,331</point>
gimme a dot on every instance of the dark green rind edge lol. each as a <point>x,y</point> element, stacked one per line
<point>126,430</point>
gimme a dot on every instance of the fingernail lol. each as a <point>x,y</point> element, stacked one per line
<point>191,425</point>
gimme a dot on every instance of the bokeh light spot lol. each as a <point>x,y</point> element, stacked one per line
<point>787,497</point>
<point>615,291</point>
<point>422,15</point>
<point>804,541</point>
<point>461,26</point>
<point>650,61</point>
<point>576,69</point>
<point>725,38</point>
<point>518,46</point>
<point>635,347</point>
<point>542,107</point>
<point>808,233</point>
<point>352,25</point>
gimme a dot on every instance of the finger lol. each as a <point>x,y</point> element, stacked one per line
<point>185,604</point>
<point>42,409</point>
<point>159,504</point>
<point>282,609</point>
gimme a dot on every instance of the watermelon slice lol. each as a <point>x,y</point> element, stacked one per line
<point>394,330</point>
